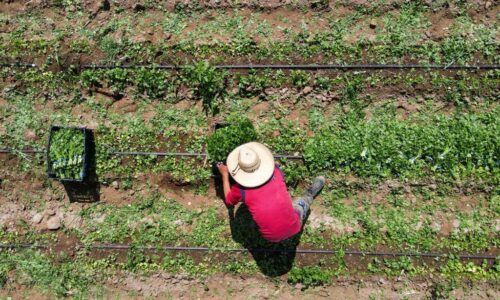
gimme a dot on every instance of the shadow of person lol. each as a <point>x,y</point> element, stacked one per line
<point>273,259</point>
<point>88,190</point>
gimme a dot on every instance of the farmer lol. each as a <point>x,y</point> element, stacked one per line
<point>261,186</point>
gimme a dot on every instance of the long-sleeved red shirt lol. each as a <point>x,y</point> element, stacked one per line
<point>271,207</point>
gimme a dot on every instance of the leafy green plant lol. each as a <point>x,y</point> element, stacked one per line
<point>224,140</point>
<point>149,81</point>
<point>300,78</point>
<point>117,80</point>
<point>90,78</point>
<point>66,152</point>
<point>309,276</point>
<point>208,83</point>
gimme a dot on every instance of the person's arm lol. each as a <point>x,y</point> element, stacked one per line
<point>225,178</point>
<point>232,195</point>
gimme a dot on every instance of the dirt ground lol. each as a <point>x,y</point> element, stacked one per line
<point>223,286</point>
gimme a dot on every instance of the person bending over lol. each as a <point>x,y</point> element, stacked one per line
<point>260,184</point>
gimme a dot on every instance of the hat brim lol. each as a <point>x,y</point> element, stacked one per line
<point>257,177</point>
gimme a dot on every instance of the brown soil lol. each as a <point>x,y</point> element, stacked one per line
<point>124,106</point>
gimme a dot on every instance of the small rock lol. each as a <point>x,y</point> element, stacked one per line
<point>456,223</point>
<point>115,185</point>
<point>407,189</point>
<point>432,187</point>
<point>307,90</point>
<point>419,225</point>
<point>178,222</point>
<point>51,212</point>
<point>54,223</point>
<point>139,289</point>
<point>373,24</point>
<point>30,135</point>
<point>131,192</point>
<point>436,226</point>
<point>37,218</point>
<point>185,282</point>
<point>175,281</point>
<point>488,4</point>
<point>382,281</point>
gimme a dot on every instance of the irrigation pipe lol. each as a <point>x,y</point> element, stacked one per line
<point>132,153</point>
<point>18,65</point>
<point>262,250</point>
<point>311,67</point>
<point>301,251</point>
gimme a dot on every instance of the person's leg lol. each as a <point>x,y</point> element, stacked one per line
<point>301,205</point>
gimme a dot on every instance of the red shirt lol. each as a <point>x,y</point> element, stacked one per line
<point>270,206</point>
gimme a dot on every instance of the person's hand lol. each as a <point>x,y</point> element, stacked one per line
<point>223,169</point>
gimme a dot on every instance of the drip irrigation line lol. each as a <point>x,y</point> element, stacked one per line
<point>262,250</point>
<point>311,67</point>
<point>17,65</point>
<point>300,251</point>
<point>21,151</point>
<point>134,153</point>
<point>23,246</point>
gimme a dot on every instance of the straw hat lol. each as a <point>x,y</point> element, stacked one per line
<point>251,164</point>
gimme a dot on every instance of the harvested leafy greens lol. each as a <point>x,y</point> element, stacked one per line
<point>66,153</point>
<point>239,131</point>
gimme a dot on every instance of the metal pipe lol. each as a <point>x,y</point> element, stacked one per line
<point>305,67</point>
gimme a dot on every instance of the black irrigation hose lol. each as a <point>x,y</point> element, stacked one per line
<point>301,251</point>
<point>262,250</point>
<point>311,67</point>
<point>179,154</point>
<point>17,65</point>
<point>22,151</point>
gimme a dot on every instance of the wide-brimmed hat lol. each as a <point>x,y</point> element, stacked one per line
<point>251,164</point>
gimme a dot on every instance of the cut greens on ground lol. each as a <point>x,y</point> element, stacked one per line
<point>66,153</point>
<point>238,130</point>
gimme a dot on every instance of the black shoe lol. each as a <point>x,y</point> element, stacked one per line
<point>316,186</point>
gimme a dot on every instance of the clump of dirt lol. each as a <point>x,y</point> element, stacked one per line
<point>124,106</point>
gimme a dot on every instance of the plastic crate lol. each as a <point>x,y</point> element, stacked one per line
<point>86,152</point>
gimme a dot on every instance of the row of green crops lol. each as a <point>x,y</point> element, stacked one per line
<point>400,36</point>
<point>456,146</point>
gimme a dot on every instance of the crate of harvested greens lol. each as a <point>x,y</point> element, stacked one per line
<point>68,153</point>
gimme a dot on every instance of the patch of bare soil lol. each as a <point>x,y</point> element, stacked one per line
<point>124,106</point>
<point>223,286</point>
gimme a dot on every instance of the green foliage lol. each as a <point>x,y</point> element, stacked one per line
<point>224,140</point>
<point>300,78</point>
<point>208,83</point>
<point>66,152</point>
<point>309,276</point>
<point>90,78</point>
<point>252,83</point>
<point>118,79</point>
<point>454,146</point>
<point>149,81</point>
